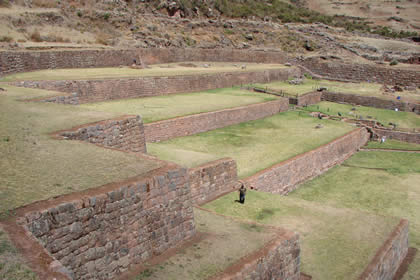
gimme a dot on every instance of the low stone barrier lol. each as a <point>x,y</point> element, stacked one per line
<point>126,133</point>
<point>390,256</point>
<point>85,91</point>
<point>397,135</point>
<point>284,177</point>
<point>193,124</point>
<point>370,101</point>
<point>279,259</point>
<point>212,179</point>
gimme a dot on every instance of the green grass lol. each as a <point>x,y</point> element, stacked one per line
<point>336,243</point>
<point>12,266</point>
<point>254,145</point>
<point>366,89</point>
<point>171,69</point>
<point>402,119</point>
<point>413,272</point>
<point>169,106</point>
<point>391,189</point>
<point>33,166</point>
<point>225,242</point>
<point>393,144</point>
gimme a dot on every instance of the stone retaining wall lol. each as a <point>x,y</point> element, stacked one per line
<point>107,89</point>
<point>370,101</point>
<point>25,61</point>
<point>306,99</point>
<point>390,256</point>
<point>284,177</point>
<point>213,179</point>
<point>125,134</point>
<point>397,135</point>
<point>101,234</point>
<point>280,260</point>
<point>193,124</point>
<point>362,72</point>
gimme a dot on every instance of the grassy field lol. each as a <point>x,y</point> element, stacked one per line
<point>12,266</point>
<point>225,242</point>
<point>401,119</point>
<point>393,144</point>
<point>336,243</point>
<point>171,69</point>
<point>368,89</point>
<point>33,166</point>
<point>254,145</point>
<point>384,183</point>
<point>169,106</point>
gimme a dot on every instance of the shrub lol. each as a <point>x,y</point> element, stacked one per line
<point>36,36</point>
<point>4,3</point>
<point>7,39</point>
<point>393,62</point>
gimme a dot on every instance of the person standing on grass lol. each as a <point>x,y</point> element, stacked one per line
<point>242,192</point>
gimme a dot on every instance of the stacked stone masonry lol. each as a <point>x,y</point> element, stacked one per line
<point>99,236</point>
<point>362,72</point>
<point>193,124</point>
<point>397,135</point>
<point>278,260</point>
<point>85,91</point>
<point>125,134</point>
<point>284,177</point>
<point>213,179</point>
<point>370,101</point>
<point>390,256</point>
<point>26,61</point>
<point>307,99</point>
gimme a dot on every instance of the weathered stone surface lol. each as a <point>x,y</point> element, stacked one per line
<point>189,125</point>
<point>284,177</point>
<point>111,231</point>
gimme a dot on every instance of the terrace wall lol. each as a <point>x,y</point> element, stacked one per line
<point>212,179</point>
<point>125,134</point>
<point>390,256</point>
<point>306,99</point>
<point>102,232</point>
<point>25,61</point>
<point>193,124</point>
<point>99,90</point>
<point>280,259</point>
<point>397,135</point>
<point>370,101</point>
<point>284,177</point>
<point>362,72</point>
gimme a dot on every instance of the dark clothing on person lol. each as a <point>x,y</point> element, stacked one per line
<point>242,192</point>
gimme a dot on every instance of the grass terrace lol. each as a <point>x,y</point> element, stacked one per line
<point>382,183</point>
<point>336,243</point>
<point>366,89</point>
<point>162,70</point>
<point>393,144</point>
<point>34,166</point>
<point>175,105</point>
<point>406,120</point>
<point>225,242</point>
<point>255,145</point>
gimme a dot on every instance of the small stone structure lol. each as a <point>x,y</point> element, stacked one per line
<point>284,177</point>
<point>390,256</point>
<point>306,99</point>
<point>125,133</point>
<point>409,137</point>
<point>193,124</point>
